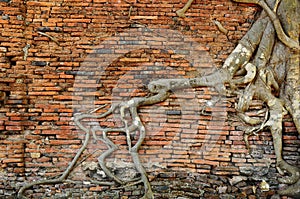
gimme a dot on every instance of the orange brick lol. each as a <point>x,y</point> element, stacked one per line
<point>98,188</point>
<point>64,142</point>
<point>40,4</point>
<point>77,20</point>
<point>13,128</point>
<point>12,160</point>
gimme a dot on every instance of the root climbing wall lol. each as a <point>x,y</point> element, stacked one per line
<point>59,58</point>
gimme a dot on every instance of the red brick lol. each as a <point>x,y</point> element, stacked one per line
<point>98,188</point>
<point>40,4</point>
<point>13,128</point>
<point>12,160</point>
<point>64,142</point>
<point>76,20</point>
<point>48,118</point>
<point>43,93</point>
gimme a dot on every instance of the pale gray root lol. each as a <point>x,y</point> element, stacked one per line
<point>160,90</point>
<point>291,191</point>
<point>70,167</point>
<point>293,44</point>
<point>257,69</point>
<point>276,5</point>
<point>251,72</point>
<point>221,27</point>
<point>216,80</point>
<point>101,159</point>
<point>292,94</point>
<point>181,12</point>
<point>291,23</point>
<point>274,123</point>
<point>244,102</point>
<point>49,36</point>
<point>254,130</point>
<point>64,175</point>
<point>111,146</point>
<point>243,52</point>
<point>254,69</point>
<point>292,99</point>
<point>160,93</point>
<point>135,156</point>
<point>266,81</point>
<point>248,120</point>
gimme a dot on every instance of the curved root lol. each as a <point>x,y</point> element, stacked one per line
<point>279,30</point>
<point>294,172</point>
<point>64,175</point>
<point>181,12</point>
<point>291,191</point>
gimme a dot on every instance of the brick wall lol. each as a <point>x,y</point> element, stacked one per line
<point>59,58</point>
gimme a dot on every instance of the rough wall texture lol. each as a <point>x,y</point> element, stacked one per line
<point>59,56</point>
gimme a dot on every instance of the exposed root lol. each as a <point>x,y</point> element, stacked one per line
<point>291,191</point>
<point>50,37</point>
<point>161,92</point>
<point>221,27</point>
<point>64,175</point>
<point>253,130</point>
<point>249,77</point>
<point>279,30</point>
<point>181,12</point>
<point>294,172</point>
<point>276,6</point>
<point>249,120</point>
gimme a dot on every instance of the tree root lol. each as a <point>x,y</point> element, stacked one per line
<point>291,191</point>
<point>50,37</point>
<point>293,180</point>
<point>130,107</point>
<point>160,90</point>
<point>249,131</point>
<point>294,172</point>
<point>181,12</point>
<point>279,30</point>
<point>64,175</point>
<point>221,28</point>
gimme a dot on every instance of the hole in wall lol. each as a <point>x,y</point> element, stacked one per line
<point>11,60</point>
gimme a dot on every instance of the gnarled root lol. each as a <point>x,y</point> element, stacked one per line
<point>277,25</point>
<point>160,93</point>
<point>291,191</point>
<point>294,172</point>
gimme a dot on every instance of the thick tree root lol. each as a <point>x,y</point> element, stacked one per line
<point>294,172</point>
<point>291,191</point>
<point>293,44</point>
<point>265,82</point>
<point>160,90</point>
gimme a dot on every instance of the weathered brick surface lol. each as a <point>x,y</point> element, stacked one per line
<point>59,56</point>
